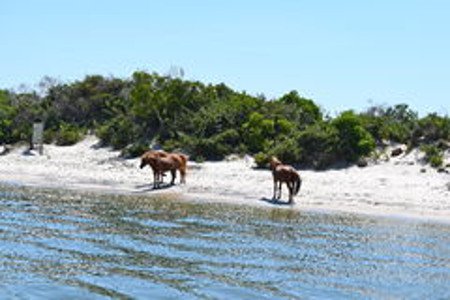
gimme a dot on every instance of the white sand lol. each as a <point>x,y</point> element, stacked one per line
<point>396,187</point>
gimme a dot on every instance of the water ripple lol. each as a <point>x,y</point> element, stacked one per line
<point>96,247</point>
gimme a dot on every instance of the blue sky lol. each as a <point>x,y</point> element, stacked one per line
<point>342,54</point>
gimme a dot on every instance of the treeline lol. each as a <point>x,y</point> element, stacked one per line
<point>211,121</point>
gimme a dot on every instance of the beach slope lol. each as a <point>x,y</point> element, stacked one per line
<point>401,186</point>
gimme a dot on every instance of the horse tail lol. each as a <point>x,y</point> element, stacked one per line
<point>184,158</point>
<point>297,184</point>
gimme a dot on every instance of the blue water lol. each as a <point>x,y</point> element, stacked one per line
<point>56,245</point>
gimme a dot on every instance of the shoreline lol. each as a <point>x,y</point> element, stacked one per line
<point>397,188</point>
<point>203,200</point>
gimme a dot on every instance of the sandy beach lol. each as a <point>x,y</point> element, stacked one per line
<point>400,186</point>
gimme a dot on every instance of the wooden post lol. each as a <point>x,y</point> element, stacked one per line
<point>38,139</point>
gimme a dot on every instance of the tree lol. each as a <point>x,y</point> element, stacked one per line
<point>433,128</point>
<point>7,114</point>
<point>300,110</point>
<point>353,140</point>
<point>28,109</point>
<point>257,131</point>
<point>400,122</point>
<point>318,145</point>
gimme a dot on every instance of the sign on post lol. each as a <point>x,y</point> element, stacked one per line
<point>38,136</point>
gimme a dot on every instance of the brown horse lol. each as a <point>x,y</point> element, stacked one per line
<point>148,158</point>
<point>161,162</point>
<point>284,173</point>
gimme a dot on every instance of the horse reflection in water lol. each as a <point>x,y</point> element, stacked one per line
<point>284,173</point>
<point>161,161</point>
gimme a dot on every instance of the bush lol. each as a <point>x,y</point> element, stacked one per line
<point>202,148</point>
<point>213,148</point>
<point>257,131</point>
<point>49,136</point>
<point>134,150</point>
<point>354,141</point>
<point>433,155</point>
<point>436,161</point>
<point>398,132</point>
<point>118,133</point>
<point>433,128</point>
<point>68,135</point>
<point>172,145</point>
<point>318,145</point>
<point>261,160</point>
<point>287,151</point>
<point>399,123</point>
<point>229,137</point>
<point>7,114</point>
<point>303,110</point>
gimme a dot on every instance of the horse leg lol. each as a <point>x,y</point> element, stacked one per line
<point>274,189</point>
<point>160,178</point>
<point>291,191</point>
<point>183,175</point>
<point>155,179</point>
<point>279,189</point>
<point>174,175</point>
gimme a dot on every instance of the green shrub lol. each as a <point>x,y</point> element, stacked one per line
<point>430,150</point>
<point>433,128</point>
<point>433,155</point>
<point>436,161</point>
<point>5,130</point>
<point>261,160</point>
<point>229,137</point>
<point>104,133</point>
<point>257,131</point>
<point>303,110</point>
<point>205,149</point>
<point>287,151</point>
<point>118,133</point>
<point>68,135</point>
<point>318,145</point>
<point>199,159</point>
<point>134,150</point>
<point>7,114</point>
<point>398,132</point>
<point>49,136</point>
<point>172,145</point>
<point>399,123</point>
<point>354,141</point>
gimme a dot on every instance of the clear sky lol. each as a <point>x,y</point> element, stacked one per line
<point>342,54</point>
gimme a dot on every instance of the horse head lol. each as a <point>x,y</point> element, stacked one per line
<point>143,162</point>
<point>150,156</point>
<point>145,159</point>
<point>274,162</point>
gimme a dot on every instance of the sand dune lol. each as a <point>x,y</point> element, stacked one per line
<point>400,186</point>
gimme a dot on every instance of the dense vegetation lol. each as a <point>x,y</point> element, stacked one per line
<point>211,121</point>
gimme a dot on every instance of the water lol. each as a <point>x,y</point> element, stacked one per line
<point>58,245</point>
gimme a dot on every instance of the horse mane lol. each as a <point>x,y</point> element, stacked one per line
<point>274,162</point>
<point>150,156</point>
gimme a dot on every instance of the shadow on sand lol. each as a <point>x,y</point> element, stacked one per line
<point>275,201</point>
<point>142,188</point>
